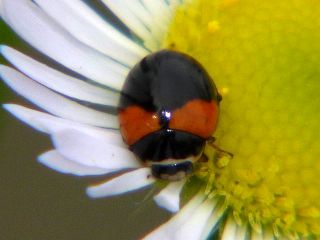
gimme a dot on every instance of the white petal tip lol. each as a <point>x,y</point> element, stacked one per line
<point>2,68</point>
<point>7,106</point>
<point>3,48</point>
<point>25,115</point>
<point>54,160</point>
<point>169,197</point>
<point>6,50</point>
<point>44,159</point>
<point>1,8</point>
<point>167,203</point>
<point>127,182</point>
<point>96,192</point>
<point>5,73</point>
<point>12,109</point>
<point>92,193</point>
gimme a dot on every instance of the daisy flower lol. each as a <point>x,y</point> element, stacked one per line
<point>80,108</point>
<point>263,56</point>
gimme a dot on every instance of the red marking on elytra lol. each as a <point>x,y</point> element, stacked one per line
<point>197,116</point>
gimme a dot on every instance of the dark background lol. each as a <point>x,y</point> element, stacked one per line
<point>37,203</point>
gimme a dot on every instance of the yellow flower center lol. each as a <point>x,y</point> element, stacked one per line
<point>264,57</point>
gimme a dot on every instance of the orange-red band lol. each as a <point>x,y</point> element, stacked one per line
<point>136,123</point>
<point>197,116</point>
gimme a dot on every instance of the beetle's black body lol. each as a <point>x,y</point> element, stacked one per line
<point>164,97</point>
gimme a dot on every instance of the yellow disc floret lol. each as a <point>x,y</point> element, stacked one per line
<point>264,56</point>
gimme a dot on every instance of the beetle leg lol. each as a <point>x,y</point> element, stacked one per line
<point>203,158</point>
<point>220,151</point>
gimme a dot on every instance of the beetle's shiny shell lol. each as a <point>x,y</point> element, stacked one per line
<point>168,108</point>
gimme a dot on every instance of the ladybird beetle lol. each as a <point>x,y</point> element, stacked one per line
<point>168,109</point>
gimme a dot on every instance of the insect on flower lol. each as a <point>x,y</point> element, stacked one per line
<point>168,110</point>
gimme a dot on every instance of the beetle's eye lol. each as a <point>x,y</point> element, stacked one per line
<point>219,97</point>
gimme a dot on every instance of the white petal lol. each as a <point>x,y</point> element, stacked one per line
<point>261,234</point>
<point>155,7</point>
<point>132,22</point>
<point>31,117</point>
<point>93,150</point>
<point>159,10</point>
<point>50,124</point>
<point>86,25</point>
<point>56,161</point>
<point>38,29</point>
<point>268,235</point>
<point>167,230</point>
<point>1,8</point>
<point>137,8</point>
<point>156,22</point>
<point>242,232</point>
<point>194,227</point>
<point>174,3</point>
<point>58,81</point>
<point>126,182</point>
<point>256,235</point>
<point>214,219</point>
<point>54,103</point>
<point>169,197</point>
<point>230,230</point>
